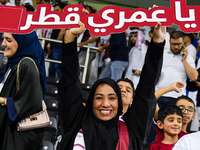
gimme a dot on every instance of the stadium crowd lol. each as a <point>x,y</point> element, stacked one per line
<point>143,83</point>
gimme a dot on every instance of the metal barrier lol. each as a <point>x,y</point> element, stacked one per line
<point>85,66</point>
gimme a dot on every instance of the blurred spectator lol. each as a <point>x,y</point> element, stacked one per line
<point>104,49</point>
<point>46,33</point>
<point>90,9</point>
<point>54,1</point>
<point>138,49</point>
<point>194,88</point>
<point>87,39</point>
<point>29,7</point>
<point>38,2</point>
<point>45,1</point>
<point>119,57</point>
<point>17,2</point>
<point>83,3</point>
<point>6,2</point>
<point>145,31</point>
<point>195,41</point>
<point>65,2</point>
<point>177,66</point>
<point>56,53</point>
<point>188,42</point>
<point>26,2</point>
<point>151,33</point>
<point>196,44</point>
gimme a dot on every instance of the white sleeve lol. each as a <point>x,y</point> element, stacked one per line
<point>179,146</point>
<point>182,144</point>
<point>143,54</point>
<point>190,60</point>
<point>176,147</point>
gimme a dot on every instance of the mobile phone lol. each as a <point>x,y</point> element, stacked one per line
<point>182,48</point>
<point>133,71</point>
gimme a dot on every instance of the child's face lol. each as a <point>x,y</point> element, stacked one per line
<point>172,124</point>
<point>185,104</point>
<point>134,38</point>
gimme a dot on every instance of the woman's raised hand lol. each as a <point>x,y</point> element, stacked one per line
<point>70,34</point>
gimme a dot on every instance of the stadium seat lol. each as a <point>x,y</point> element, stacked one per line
<point>47,145</point>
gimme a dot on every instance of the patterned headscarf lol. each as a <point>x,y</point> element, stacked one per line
<point>140,37</point>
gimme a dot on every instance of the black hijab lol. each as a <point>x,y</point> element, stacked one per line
<point>99,134</point>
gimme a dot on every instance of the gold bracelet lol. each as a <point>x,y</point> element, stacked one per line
<point>86,42</point>
<point>4,101</point>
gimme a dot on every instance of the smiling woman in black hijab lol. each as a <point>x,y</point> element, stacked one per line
<point>98,131</point>
<point>99,125</point>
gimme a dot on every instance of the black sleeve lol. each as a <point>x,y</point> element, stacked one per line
<point>139,116</point>
<point>191,85</point>
<point>28,100</point>
<point>70,98</point>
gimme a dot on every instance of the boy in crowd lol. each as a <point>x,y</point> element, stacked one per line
<point>170,119</point>
<point>185,103</point>
<point>187,106</point>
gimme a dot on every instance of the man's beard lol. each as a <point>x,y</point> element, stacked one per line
<point>175,51</point>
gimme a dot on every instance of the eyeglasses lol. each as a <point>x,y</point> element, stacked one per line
<point>176,44</point>
<point>189,111</point>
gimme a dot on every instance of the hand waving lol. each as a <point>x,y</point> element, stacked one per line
<point>159,32</point>
<point>71,34</point>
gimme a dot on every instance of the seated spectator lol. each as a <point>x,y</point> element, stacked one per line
<point>170,119</point>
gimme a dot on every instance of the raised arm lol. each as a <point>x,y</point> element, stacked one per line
<point>70,98</point>
<point>71,34</point>
<point>191,72</point>
<point>176,86</point>
<point>139,116</point>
